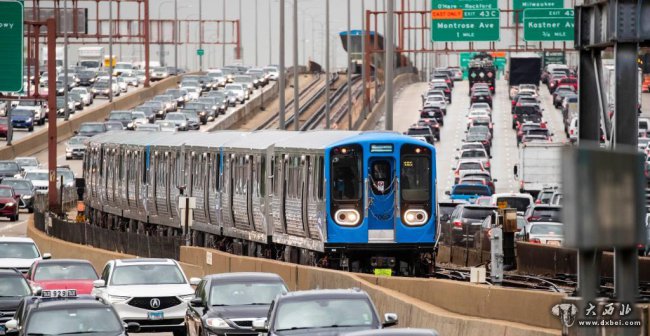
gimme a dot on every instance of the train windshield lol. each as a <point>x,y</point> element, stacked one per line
<point>416,178</point>
<point>346,176</point>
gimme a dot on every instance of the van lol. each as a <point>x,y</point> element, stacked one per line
<point>518,201</point>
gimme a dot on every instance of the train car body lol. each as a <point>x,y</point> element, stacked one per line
<point>377,58</point>
<point>341,199</point>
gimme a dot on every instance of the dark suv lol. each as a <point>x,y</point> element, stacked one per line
<point>543,213</point>
<point>14,288</point>
<point>464,222</point>
<point>227,304</point>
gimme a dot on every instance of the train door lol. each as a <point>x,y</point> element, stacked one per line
<point>227,190</point>
<point>380,190</point>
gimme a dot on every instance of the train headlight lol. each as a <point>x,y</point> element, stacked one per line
<point>415,217</point>
<point>347,217</point>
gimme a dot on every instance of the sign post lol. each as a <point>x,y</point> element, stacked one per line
<point>11,44</point>
<point>465,20</point>
<point>200,52</point>
<point>186,205</point>
<point>548,24</point>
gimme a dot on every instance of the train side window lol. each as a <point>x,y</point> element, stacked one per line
<point>262,176</point>
<point>346,177</point>
<point>321,176</point>
<point>272,182</point>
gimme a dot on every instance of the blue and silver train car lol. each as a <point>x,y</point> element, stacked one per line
<point>381,203</point>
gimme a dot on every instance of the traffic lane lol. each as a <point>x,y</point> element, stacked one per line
<point>505,154</point>
<point>20,133</point>
<point>552,116</point>
<point>17,228</point>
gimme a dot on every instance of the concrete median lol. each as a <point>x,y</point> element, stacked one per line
<point>37,141</point>
<point>246,110</point>
<point>377,110</point>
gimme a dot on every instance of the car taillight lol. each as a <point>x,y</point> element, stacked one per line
<point>571,132</point>
<point>457,223</point>
<point>535,241</point>
<point>533,218</point>
<point>518,104</point>
<point>447,90</point>
<point>456,173</point>
<point>514,116</point>
<point>489,233</point>
<point>491,88</point>
<point>513,103</point>
<point>487,164</point>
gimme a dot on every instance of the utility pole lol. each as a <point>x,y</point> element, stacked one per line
<point>176,36</point>
<point>349,44</point>
<point>270,33</point>
<point>296,89</point>
<point>283,71</point>
<point>223,34</point>
<point>390,63</point>
<point>200,33</point>
<point>363,58</point>
<point>257,63</point>
<point>65,60</point>
<point>327,64</point>
<point>110,50</point>
<point>239,47</point>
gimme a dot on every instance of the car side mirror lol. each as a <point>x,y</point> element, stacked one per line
<point>195,281</point>
<point>495,180</point>
<point>447,192</point>
<point>260,326</point>
<point>196,302</point>
<point>390,319</point>
<point>514,170</point>
<point>456,157</point>
<point>47,256</point>
<point>133,327</point>
<point>99,283</point>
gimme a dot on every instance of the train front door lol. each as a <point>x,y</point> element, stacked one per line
<point>381,189</point>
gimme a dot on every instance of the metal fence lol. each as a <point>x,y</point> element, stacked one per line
<point>107,239</point>
<point>68,199</point>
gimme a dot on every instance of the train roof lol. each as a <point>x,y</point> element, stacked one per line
<point>260,139</point>
<point>315,139</point>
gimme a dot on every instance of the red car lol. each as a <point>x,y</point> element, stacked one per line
<point>4,126</point>
<point>62,274</point>
<point>9,203</point>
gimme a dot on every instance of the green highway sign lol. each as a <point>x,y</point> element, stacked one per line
<point>522,5</point>
<point>200,52</point>
<point>11,46</point>
<point>548,24</point>
<point>465,57</point>
<point>465,25</point>
<point>464,4</point>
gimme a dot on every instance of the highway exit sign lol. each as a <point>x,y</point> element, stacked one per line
<point>450,25</point>
<point>464,4</point>
<point>548,24</point>
<point>11,46</point>
<point>519,6</point>
<point>200,52</point>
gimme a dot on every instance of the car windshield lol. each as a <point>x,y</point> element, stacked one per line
<point>419,131</point>
<point>120,116</point>
<point>21,113</point>
<point>65,271</point>
<point>5,192</point>
<point>477,213</point>
<point>473,154</point>
<point>91,128</point>
<point>66,321</point>
<point>470,166</point>
<point>147,275</point>
<point>324,313</point>
<point>18,250</point>
<point>547,214</point>
<point>463,189</point>
<point>9,166</point>
<point>27,162</point>
<point>233,87</point>
<point>87,74</point>
<point>14,286</point>
<point>191,115</point>
<point>17,184</point>
<point>160,69</point>
<point>173,116</point>
<point>36,176</point>
<point>76,141</point>
<point>138,115</point>
<point>123,66</point>
<point>163,124</point>
<point>519,203</point>
<point>546,229</point>
<point>245,293</point>
<point>68,176</point>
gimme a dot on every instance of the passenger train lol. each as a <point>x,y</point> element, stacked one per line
<point>359,201</point>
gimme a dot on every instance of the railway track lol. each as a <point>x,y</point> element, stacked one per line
<point>342,110</point>
<point>316,119</point>
<point>306,99</point>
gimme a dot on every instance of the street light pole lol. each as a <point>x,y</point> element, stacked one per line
<point>349,44</point>
<point>110,50</point>
<point>296,89</point>
<point>200,33</point>
<point>257,63</point>
<point>270,34</point>
<point>176,36</point>
<point>65,60</point>
<point>223,35</point>
<point>390,63</point>
<point>327,64</point>
<point>283,71</point>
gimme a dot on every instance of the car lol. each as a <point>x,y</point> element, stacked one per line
<point>479,175</point>
<point>193,119</point>
<point>467,165</point>
<point>9,168</point>
<point>545,195</point>
<point>422,131</point>
<point>166,125</point>
<point>528,138</point>
<point>232,97</point>
<point>221,98</point>
<point>27,162</point>
<point>137,118</point>
<point>66,274</point>
<point>75,148</point>
<point>147,128</point>
<point>24,189</point>
<point>543,213</point>
<point>14,288</point>
<point>89,129</point>
<point>125,117</point>
<point>464,222</point>
<point>200,109</point>
<point>560,94</point>
<point>247,81</point>
<point>273,72</point>
<point>468,192</point>
<point>238,90</point>
<point>526,113</point>
<point>123,67</point>
<point>433,112</point>
<point>168,100</point>
<point>62,312</point>
<point>159,73</point>
<point>213,105</point>
<point>432,124</point>
<point>551,233</point>
<point>479,134</point>
<point>40,113</point>
<point>61,106</point>
<point>4,127</point>
<point>158,108</point>
<point>19,253</point>
<point>23,118</point>
<point>65,175</point>
<point>322,312</point>
<point>86,77</point>
<point>227,304</point>
<point>86,95</point>
<point>518,201</point>
<point>522,128</point>
<point>474,155</point>
<point>180,96</point>
<point>446,208</point>
<point>148,111</point>
<point>194,92</point>
<point>151,292</point>
<point>179,119</point>
<point>102,88</point>
<point>481,97</point>
<point>396,331</point>
<point>77,100</point>
<point>39,178</point>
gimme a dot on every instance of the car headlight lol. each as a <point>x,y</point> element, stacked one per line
<point>130,124</point>
<point>91,80</point>
<point>217,323</point>
<point>347,217</point>
<point>10,204</point>
<point>60,90</point>
<point>117,298</point>
<point>202,113</point>
<point>27,197</point>
<point>29,120</point>
<point>93,90</point>
<point>183,124</point>
<point>68,150</point>
<point>187,297</point>
<point>415,217</point>
<point>214,107</point>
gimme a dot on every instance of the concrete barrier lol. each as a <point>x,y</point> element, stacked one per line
<point>37,141</point>
<point>377,111</point>
<point>410,298</point>
<point>247,110</point>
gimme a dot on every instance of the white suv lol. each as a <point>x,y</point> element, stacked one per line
<point>19,253</point>
<point>151,292</point>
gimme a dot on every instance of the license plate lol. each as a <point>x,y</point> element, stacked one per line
<point>383,272</point>
<point>158,315</point>
<point>553,242</point>
<point>59,293</point>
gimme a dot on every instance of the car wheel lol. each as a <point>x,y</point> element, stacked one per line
<point>180,332</point>
<point>30,209</point>
<point>31,129</point>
